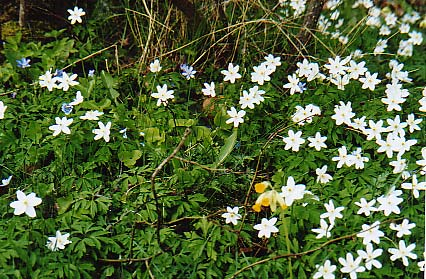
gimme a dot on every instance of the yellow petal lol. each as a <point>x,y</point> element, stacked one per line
<point>281,201</point>
<point>256,207</point>
<point>265,201</point>
<point>423,23</point>
<point>273,207</point>
<point>260,187</point>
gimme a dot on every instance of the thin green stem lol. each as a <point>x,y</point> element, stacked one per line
<point>288,244</point>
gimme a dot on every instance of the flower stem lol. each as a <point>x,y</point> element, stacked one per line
<point>287,241</point>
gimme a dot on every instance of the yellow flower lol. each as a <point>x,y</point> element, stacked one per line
<point>423,23</point>
<point>269,198</point>
<point>256,207</point>
<point>260,187</point>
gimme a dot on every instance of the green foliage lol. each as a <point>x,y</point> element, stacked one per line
<point>147,200</point>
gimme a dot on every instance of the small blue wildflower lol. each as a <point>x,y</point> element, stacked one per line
<point>302,86</point>
<point>23,63</point>
<point>91,73</point>
<point>237,145</point>
<point>187,71</point>
<point>66,108</point>
<point>58,73</point>
<point>142,143</point>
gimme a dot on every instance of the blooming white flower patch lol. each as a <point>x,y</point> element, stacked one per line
<point>25,204</point>
<point>58,241</point>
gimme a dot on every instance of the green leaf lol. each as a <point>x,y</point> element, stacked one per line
<point>54,33</point>
<point>110,84</point>
<point>64,203</point>
<point>109,271</point>
<point>153,135</point>
<point>108,80</point>
<point>203,133</point>
<point>105,103</point>
<point>182,123</point>
<point>278,177</point>
<point>34,131</point>
<point>226,149</point>
<point>129,158</point>
<point>221,117</point>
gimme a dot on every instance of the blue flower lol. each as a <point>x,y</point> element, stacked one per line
<point>91,73</point>
<point>23,63</point>
<point>187,71</point>
<point>237,145</point>
<point>302,86</point>
<point>58,73</point>
<point>66,108</point>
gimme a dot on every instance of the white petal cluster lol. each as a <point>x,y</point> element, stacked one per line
<point>61,81</point>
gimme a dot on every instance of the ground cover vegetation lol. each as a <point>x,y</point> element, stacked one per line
<point>224,139</point>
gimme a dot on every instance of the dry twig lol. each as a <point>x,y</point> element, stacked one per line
<point>154,175</point>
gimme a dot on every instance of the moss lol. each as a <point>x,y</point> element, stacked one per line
<point>34,30</point>
<point>10,28</point>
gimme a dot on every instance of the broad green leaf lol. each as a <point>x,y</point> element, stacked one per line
<point>108,80</point>
<point>129,158</point>
<point>110,84</point>
<point>153,135</point>
<point>64,203</point>
<point>226,149</point>
<point>221,117</point>
<point>203,133</point>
